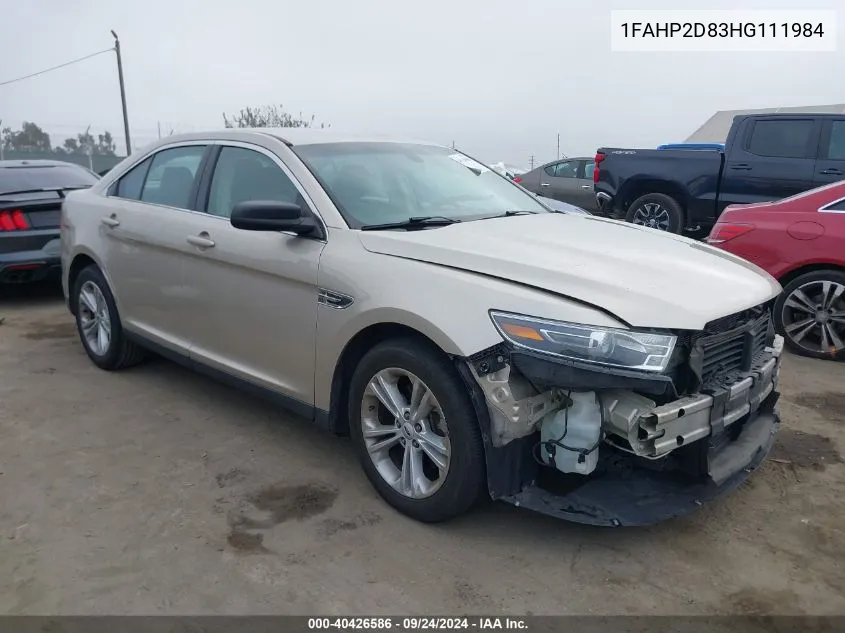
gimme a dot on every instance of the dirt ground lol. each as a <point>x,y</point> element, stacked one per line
<point>158,491</point>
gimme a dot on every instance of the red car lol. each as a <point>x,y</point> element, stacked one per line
<point>800,241</point>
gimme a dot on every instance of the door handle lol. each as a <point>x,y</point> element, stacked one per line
<point>545,184</point>
<point>741,167</point>
<point>111,221</point>
<point>202,240</point>
<point>832,172</point>
<point>586,186</point>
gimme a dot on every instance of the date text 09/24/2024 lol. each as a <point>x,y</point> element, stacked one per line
<point>417,624</point>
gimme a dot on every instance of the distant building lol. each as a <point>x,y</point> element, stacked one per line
<point>715,129</point>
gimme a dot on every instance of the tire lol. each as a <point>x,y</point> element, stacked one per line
<point>464,481</point>
<point>792,309</point>
<point>118,352</point>
<point>658,211</point>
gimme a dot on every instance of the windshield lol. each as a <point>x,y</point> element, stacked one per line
<point>22,178</point>
<point>380,183</point>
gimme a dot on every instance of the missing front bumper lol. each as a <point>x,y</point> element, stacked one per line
<point>679,455</point>
<point>626,495</point>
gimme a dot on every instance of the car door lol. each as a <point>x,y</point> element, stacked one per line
<point>253,293</point>
<point>531,180</point>
<point>830,165</point>
<point>770,159</point>
<point>560,181</point>
<point>144,223</point>
<point>586,167</point>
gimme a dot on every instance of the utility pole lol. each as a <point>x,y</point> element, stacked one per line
<point>89,148</point>
<point>531,161</point>
<point>557,156</point>
<point>159,130</point>
<point>122,93</point>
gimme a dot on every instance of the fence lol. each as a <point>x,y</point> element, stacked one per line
<point>96,162</point>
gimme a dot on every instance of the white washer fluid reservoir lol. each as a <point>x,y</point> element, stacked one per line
<point>579,429</point>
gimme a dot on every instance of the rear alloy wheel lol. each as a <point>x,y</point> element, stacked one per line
<point>416,431</point>
<point>810,314</point>
<point>656,211</point>
<point>98,323</point>
<point>94,319</point>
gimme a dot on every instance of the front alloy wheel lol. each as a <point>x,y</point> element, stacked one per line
<point>405,433</point>
<point>415,429</point>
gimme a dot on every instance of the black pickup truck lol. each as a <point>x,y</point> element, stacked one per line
<point>766,157</point>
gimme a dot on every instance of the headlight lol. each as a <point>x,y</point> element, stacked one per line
<point>626,349</point>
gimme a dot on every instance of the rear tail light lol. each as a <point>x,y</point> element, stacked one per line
<point>517,179</point>
<point>598,159</point>
<point>13,220</point>
<point>725,232</point>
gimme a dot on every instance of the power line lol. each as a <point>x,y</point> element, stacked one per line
<point>47,70</point>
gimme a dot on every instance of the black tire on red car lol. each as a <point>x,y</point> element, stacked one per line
<point>658,211</point>
<point>810,314</point>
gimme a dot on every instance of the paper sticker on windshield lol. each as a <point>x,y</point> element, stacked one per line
<point>466,161</point>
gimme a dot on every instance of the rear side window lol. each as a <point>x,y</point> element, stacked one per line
<point>130,185</point>
<point>781,139</point>
<point>838,206</point>
<point>836,146</point>
<point>563,170</point>
<point>170,179</point>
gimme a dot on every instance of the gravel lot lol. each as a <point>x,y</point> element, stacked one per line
<point>131,493</point>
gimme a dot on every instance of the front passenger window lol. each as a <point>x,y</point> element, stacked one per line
<point>170,180</point>
<point>130,185</point>
<point>242,175</point>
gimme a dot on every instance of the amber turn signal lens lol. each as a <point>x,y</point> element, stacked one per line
<point>522,331</point>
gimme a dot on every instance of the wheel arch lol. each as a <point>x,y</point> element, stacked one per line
<point>793,274</point>
<point>78,263</point>
<point>637,187</point>
<point>352,353</point>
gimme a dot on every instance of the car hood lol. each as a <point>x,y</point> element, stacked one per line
<point>647,278</point>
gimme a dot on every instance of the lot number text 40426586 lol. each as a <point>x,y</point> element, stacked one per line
<point>417,623</point>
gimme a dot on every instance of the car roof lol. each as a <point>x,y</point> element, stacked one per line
<point>289,136</point>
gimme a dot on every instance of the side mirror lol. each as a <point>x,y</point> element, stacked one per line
<point>266,215</point>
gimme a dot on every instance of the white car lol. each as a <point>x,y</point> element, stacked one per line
<point>470,341</point>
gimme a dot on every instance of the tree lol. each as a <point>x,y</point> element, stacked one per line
<point>84,143</point>
<point>29,138</point>
<point>268,116</point>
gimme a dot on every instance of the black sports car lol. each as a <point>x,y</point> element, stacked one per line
<point>31,194</point>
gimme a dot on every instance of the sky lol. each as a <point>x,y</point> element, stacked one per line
<point>500,79</point>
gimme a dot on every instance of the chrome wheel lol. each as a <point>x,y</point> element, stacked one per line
<point>653,215</point>
<point>94,319</point>
<point>405,433</point>
<point>813,316</point>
